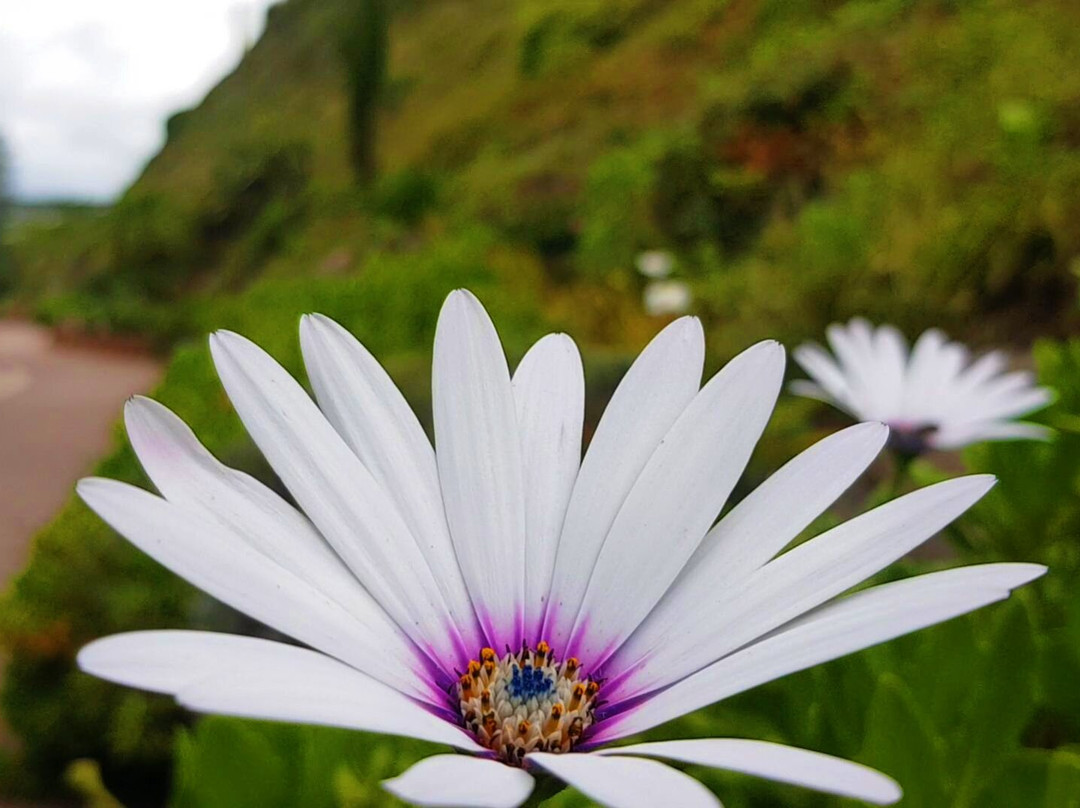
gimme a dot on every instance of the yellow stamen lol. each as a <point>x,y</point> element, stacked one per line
<point>526,701</point>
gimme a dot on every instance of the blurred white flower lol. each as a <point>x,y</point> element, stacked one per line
<point>655,263</point>
<point>667,297</point>
<point>934,398</point>
<point>620,605</point>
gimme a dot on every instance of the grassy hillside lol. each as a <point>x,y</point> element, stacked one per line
<point>804,160</point>
<point>916,161</point>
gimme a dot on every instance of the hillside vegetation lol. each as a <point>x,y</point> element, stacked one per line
<point>916,161</point>
<point>805,160</point>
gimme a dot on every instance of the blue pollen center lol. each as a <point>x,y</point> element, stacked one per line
<point>528,682</point>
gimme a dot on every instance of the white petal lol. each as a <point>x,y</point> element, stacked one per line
<point>1011,404</point>
<point>922,381</point>
<point>549,391</point>
<point>190,477</point>
<point>851,624</point>
<point>656,389</point>
<point>626,782</point>
<point>253,678</point>
<point>480,469</point>
<point>458,781</point>
<point>337,492</point>
<point>823,369</point>
<point>754,531</point>
<point>891,351</point>
<point>981,371</point>
<point>785,764</point>
<point>804,578</point>
<point>807,389</point>
<point>226,567</point>
<point>677,497</point>
<point>367,409</point>
<point>955,437</point>
<point>853,346</point>
<point>874,362</point>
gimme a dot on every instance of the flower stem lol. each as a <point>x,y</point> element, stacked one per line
<point>901,474</point>
<point>546,788</point>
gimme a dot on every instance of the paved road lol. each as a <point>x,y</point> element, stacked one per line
<point>57,407</point>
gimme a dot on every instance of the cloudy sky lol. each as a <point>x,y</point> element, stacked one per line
<point>86,85</point>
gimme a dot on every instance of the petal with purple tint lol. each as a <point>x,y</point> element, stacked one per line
<point>549,391</point>
<point>651,396</point>
<point>478,450</point>
<point>253,678</point>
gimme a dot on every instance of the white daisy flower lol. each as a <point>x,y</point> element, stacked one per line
<point>934,398</point>
<point>498,596</point>
<point>662,298</point>
<point>655,264</point>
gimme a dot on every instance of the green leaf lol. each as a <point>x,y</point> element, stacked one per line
<point>1001,700</point>
<point>1063,780</point>
<point>901,741</point>
<point>225,763</point>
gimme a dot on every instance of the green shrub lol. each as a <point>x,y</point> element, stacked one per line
<point>154,248</point>
<point>558,34</point>
<point>405,196</point>
<point>615,216</point>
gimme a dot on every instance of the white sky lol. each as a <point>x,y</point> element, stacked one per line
<point>86,85</point>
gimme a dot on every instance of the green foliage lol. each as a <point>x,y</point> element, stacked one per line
<point>558,35</point>
<point>84,777</point>
<point>913,161</point>
<point>235,764</point>
<point>258,199</point>
<point>406,196</point>
<point>1034,511</point>
<point>615,220</point>
<point>154,247</point>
